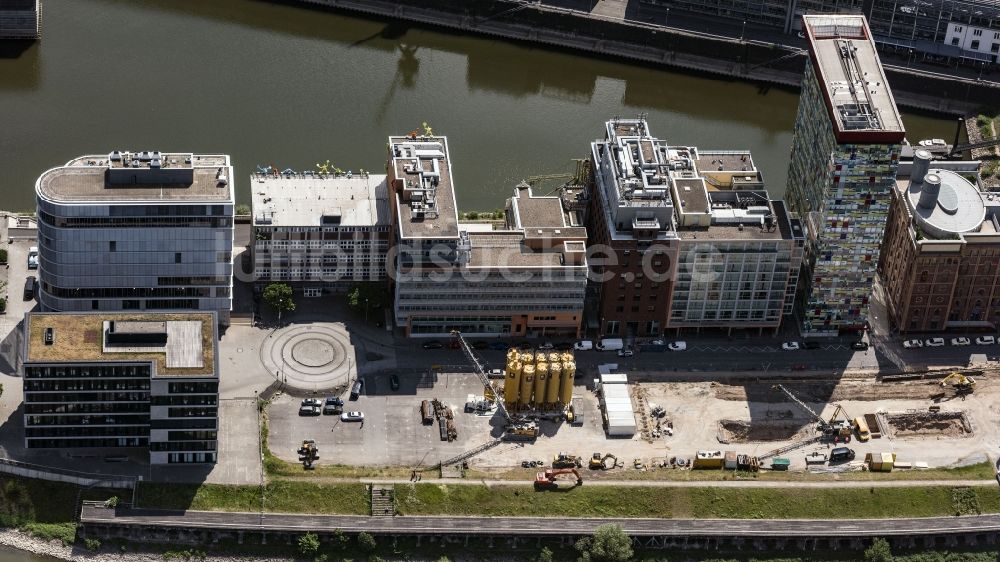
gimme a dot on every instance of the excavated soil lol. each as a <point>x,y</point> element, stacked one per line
<point>930,424</point>
<point>743,431</point>
<point>823,392</point>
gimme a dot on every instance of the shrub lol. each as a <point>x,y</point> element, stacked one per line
<point>243,209</point>
<point>544,555</point>
<point>339,539</point>
<point>879,551</point>
<point>366,542</point>
<point>608,544</point>
<point>320,558</point>
<point>3,304</point>
<point>92,545</point>
<point>3,255</point>
<point>308,544</point>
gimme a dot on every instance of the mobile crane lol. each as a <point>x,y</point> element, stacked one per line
<point>830,429</point>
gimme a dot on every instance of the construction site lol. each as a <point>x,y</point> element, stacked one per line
<point>606,426</point>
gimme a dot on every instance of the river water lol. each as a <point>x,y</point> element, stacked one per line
<point>14,555</point>
<point>289,86</point>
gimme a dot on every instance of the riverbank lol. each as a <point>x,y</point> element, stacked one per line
<point>747,60</point>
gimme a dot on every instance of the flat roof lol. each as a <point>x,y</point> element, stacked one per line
<point>304,200</point>
<point>957,207</point>
<point>499,249</point>
<point>425,204</point>
<point>79,338</point>
<point>851,77</point>
<point>86,179</point>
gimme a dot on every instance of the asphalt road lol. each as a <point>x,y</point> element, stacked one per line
<point>540,526</point>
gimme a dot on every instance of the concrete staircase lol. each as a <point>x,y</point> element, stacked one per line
<point>383,500</point>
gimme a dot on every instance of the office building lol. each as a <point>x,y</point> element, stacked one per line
<point>106,380</point>
<point>784,15</point>
<point>682,238</point>
<point>941,255</point>
<point>20,19</point>
<point>523,276</point>
<point>845,153</point>
<point>136,231</point>
<point>320,232</point>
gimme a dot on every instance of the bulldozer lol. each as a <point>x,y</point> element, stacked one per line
<point>598,462</point>
<point>564,460</point>
<point>960,383</point>
<point>548,480</point>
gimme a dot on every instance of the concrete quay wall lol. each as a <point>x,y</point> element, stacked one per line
<point>754,61</point>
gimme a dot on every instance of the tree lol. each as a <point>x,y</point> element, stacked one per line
<point>608,544</point>
<point>243,209</point>
<point>279,297</point>
<point>366,542</point>
<point>879,551</point>
<point>544,555</point>
<point>339,539</point>
<point>308,544</point>
<point>364,297</point>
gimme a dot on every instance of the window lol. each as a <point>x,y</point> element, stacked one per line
<point>177,257</point>
<point>112,246</point>
<point>954,40</point>
<point>975,45</point>
<point>612,328</point>
<point>995,47</point>
<point>977,32</point>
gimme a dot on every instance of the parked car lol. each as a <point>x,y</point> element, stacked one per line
<point>986,340</point>
<point>841,454</point>
<point>312,402</point>
<point>309,410</point>
<point>33,257</point>
<point>499,345</point>
<point>564,346</point>
<point>583,345</point>
<point>334,405</point>
<point>859,345</point>
<point>790,346</point>
<point>352,416</point>
<point>960,341</point>
<point>934,342</point>
<point>495,373</point>
<point>625,353</point>
<point>910,344</point>
<point>657,342</point>
<point>480,345</point>
<point>29,287</point>
<point>394,381</point>
<point>546,346</point>
<point>523,345</point>
<point>678,346</point>
<point>433,344</point>
<point>356,388</point>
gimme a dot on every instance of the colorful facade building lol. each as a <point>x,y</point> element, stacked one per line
<point>845,154</point>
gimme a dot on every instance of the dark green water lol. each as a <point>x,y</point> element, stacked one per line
<point>277,84</point>
<point>13,555</point>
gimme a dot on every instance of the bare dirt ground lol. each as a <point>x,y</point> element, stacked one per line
<point>947,424</point>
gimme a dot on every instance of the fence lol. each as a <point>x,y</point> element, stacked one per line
<point>53,474</point>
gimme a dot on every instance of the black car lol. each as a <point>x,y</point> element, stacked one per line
<point>500,345</point>
<point>524,345</point>
<point>860,345</point>
<point>841,454</point>
<point>333,406</point>
<point>357,388</point>
<point>564,346</point>
<point>433,344</point>
<point>480,345</point>
<point>394,381</point>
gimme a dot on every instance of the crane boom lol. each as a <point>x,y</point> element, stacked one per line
<point>823,423</point>
<point>481,372</point>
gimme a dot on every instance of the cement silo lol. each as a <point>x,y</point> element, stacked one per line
<point>541,377</point>
<point>527,385</point>
<point>552,389</point>
<point>512,382</point>
<point>566,389</point>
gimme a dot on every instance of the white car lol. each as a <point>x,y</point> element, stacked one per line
<point>986,340</point>
<point>910,344</point>
<point>352,416</point>
<point>932,142</point>
<point>790,346</point>
<point>678,346</point>
<point>585,345</point>
<point>657,342</point>
<point>934,342</point>
<point>960,341</point>
<point>625,353</point>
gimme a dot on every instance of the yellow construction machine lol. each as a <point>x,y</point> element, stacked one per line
<point>960,383</point>
<point>598,462</point>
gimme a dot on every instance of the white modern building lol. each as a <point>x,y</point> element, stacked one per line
<point>123,380</point>
<point>982,41</point>
<point>320,232</point>
<point>137,231</point>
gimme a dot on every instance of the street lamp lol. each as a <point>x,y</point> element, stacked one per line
<point>666,17</point>
<point>743,29</point>
<point>366,311</point>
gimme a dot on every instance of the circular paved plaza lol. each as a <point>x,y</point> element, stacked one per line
<point>310,357</point>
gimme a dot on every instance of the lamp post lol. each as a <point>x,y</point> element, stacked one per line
<point>366,311</point>
<point>743,29</point>
<point>666,18</point>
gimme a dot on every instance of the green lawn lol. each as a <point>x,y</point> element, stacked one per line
<point>279,496</point>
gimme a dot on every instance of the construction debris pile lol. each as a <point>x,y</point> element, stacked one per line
<point>938,424</point>
<point>538,380</point>
<point>435,410</point>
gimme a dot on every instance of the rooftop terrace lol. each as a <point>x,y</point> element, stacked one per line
<point>147,176</point>
<point>424,196</point>
<point>82,337</point>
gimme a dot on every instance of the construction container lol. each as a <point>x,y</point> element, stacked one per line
<point>880,462</point>
<point>729,460</point>
<point>566,386</point>
<point>555,380</point>
<point>426,412</point>
<point>527,385</point>
<point>512,382</point>
<point>541,377</point>
<point>779,463</point>
<point>708,459</point>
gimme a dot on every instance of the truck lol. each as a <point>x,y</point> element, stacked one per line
<point>610,344</point>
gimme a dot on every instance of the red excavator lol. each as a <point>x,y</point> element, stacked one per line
<point>548,480</point>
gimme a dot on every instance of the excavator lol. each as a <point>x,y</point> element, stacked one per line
<point>597,462</point>
<point>548,480</point>
<point>960,383</point>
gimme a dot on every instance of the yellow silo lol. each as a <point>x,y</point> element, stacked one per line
<point>527,385</point>
<point>512,354</point>
<point>567,357</point>
<point>555,380</point>
<point>541,378</point>
<point>528,358</point>
<point>554,358</point>
<point>512,382</point>
<point>566,389</point>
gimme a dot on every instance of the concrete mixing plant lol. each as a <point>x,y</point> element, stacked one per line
<point>538,381</point>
